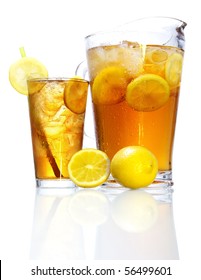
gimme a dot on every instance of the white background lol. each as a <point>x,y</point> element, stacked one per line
<point>53,32</point>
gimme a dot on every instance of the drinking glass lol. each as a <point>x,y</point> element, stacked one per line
<point>57,112</point>
<point>135,77</point>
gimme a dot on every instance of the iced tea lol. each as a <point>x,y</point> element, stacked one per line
<point>57,111</point>
<point>135,92</point>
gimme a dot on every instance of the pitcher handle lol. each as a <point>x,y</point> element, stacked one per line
<point>89,132</point>
<point>81,70</point>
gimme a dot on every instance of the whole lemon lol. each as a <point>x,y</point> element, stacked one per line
<point>134,167</point>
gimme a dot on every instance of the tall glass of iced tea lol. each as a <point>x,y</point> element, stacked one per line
<point>57,111</point>
<point>135,77</point>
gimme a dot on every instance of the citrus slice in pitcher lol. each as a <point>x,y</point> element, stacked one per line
<point>89,168</point>
<point>24,68</point>
<point>147,92</point>
<point>173,69</point>
<point>75,95</point>
<point>109,86</point>
<point>155,55</point>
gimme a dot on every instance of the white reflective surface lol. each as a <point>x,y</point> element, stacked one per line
<point>92,224</point>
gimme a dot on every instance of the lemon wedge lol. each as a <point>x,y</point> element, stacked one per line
<point>109,86</point>
<point>24,68</point>
<point>147,92</point>
<point>173,69</point>
<point>89,168</point>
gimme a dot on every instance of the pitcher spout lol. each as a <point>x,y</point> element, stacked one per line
<point>180,34</point>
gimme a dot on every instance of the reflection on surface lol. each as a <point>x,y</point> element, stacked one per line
<point>92,224</point>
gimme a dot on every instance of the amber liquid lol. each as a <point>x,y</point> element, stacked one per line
<point>119,125</point>
<point>57,132</point>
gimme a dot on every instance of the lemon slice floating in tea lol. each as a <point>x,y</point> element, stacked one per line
<point>109,86</point>
<point>89,168</point>
<point>156,55</point>
<point>75,95</point>
<point>24,68</point>
<point>147,92</point>
<point>155,60</point>
<point>173,69</point>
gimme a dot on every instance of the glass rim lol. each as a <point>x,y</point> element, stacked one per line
<point>120,28</point>
<point>57,79</point>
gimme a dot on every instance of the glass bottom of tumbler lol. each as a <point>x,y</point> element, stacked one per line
<point>54,183</point>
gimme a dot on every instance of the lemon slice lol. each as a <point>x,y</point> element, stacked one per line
<point>75,95</point>
<point>109,86</point>
<point>156,56</point>
<point>24,68</point>
<point>89,168</point>
<point>173,69</point>
<point>147,92</point>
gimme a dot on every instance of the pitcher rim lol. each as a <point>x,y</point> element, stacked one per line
<point>118,28</point>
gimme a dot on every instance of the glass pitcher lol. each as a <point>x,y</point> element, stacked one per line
<point>135,77</point>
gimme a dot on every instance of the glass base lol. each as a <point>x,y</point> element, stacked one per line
<point>164,177</point>
<point>54,183</point>
<point>162,185</point>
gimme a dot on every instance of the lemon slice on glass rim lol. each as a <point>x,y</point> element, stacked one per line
<point>23,69</point>
<point>147,92</point>
<point>89,168</point>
